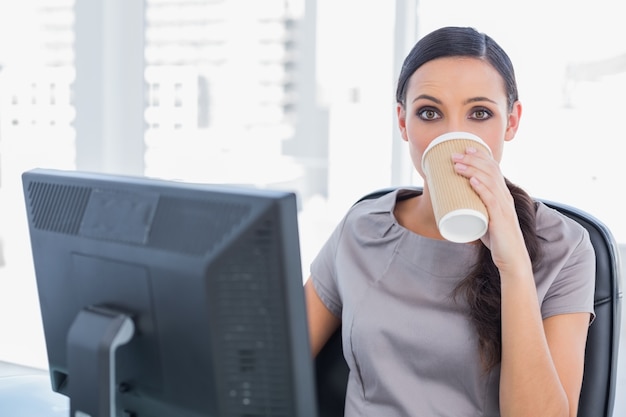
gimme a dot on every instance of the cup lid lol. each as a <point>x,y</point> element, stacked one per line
<point>463,225</point>
<point>453,135</point>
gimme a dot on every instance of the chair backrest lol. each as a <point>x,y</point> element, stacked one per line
<point>598,391</point>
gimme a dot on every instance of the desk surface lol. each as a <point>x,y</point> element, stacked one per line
<point>26,392</point>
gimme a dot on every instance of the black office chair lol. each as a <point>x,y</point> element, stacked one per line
<point>598,390</point>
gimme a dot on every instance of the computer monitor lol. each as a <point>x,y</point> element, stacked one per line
<point>163,298</point>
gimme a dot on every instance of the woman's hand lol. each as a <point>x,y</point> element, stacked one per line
<point>504,237</point>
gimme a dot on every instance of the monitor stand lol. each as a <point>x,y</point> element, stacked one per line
<point>93,338</point>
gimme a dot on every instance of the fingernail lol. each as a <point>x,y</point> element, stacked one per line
<point>460,167</point>
<point>457,156</point>
<point>471,150</point>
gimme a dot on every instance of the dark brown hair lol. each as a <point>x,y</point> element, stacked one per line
<point>462,42</point>
<point>481,286</point>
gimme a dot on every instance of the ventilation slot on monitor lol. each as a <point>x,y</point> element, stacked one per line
<point>250,327</point>
<point>56,207</point>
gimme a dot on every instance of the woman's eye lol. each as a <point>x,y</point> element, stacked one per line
<point>481,114</point>
<point>428,114</point>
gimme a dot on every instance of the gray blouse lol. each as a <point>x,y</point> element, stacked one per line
<point>410,346</point>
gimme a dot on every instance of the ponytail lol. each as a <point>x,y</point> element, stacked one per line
<point>481,287</point>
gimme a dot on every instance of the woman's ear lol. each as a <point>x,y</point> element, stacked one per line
<point>401,112</point>
<point>513,122</point>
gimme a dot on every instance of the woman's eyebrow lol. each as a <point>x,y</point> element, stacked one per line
<point>475,99</point>
<point>427,97</point>
<point>468,101</point>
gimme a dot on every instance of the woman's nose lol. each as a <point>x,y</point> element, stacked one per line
<point>457,125</point>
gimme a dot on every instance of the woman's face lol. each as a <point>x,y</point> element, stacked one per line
<point>456,94</point>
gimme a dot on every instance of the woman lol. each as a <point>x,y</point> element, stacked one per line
<point>495,327</point>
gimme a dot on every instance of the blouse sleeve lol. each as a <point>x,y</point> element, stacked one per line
<point>324,272</point>
<point>572,290</point>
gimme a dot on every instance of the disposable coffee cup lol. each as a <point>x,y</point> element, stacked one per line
<point>460,213</point>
